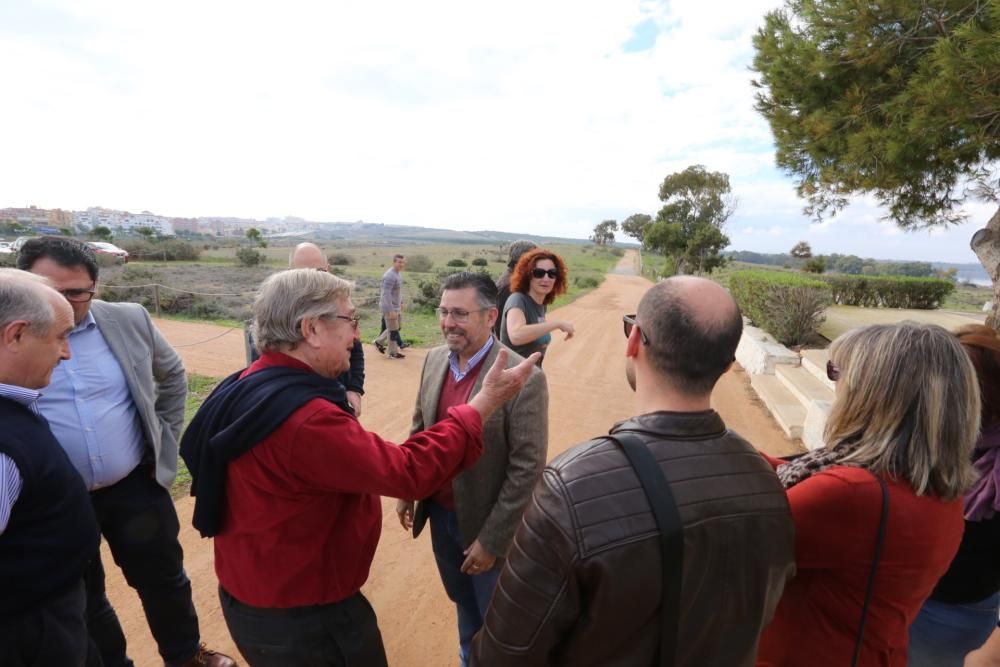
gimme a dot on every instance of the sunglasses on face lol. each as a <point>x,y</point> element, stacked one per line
<point>630,323</point>
<point>832,372</point>
<point>541,273</point>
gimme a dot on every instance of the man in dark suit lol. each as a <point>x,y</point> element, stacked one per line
<point>473,518</point>
<point>48,533</point>
<point>117,408</point>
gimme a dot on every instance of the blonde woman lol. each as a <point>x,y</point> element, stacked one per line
<point>889,481</point>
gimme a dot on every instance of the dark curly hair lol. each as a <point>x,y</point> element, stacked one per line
<point>520,279</point>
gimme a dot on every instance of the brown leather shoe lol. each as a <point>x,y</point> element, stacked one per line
<point>207,658</point>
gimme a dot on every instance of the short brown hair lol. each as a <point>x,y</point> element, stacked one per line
<point>982,344</point>
<point>520,279</point>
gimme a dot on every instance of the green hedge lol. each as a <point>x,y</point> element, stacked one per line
<point>789,306</point>
<point>889,291</point>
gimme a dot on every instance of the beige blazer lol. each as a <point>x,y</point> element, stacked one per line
<point>155,377</point>
<point>490,497</point>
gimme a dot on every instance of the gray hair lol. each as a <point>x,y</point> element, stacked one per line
<point>518,248</point>
<point>288,297</point>
<point>909,402</point>
<point>24,296</point>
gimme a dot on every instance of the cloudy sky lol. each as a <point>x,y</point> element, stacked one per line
<point>525,116</point>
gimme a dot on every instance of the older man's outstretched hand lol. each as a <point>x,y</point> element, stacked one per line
<point>502,383</point>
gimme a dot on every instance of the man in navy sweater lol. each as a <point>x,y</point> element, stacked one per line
<point>48,532</point>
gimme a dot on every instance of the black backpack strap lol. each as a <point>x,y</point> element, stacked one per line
<point>668,521</point>
<point>871,577</point>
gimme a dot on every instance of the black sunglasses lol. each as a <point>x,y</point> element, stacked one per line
<point>832,372</point>
<point>630,322</point>
<point>541,273</point>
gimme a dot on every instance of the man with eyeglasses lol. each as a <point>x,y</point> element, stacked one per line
<point>117,408</point>
<point>473,517</point>
<point>590,579</point>
<point>288,482</point>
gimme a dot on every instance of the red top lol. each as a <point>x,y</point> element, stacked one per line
<point>302,515</point>
<point>836,514</point>
<point>452,394</point>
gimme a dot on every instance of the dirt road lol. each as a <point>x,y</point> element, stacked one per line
<point>588,393</point>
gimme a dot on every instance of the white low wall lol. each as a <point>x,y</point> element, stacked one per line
<point>758,352</point>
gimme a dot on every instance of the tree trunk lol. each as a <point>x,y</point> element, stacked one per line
<point>986,244</point>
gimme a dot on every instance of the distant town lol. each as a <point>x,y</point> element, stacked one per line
<point>53,221</point>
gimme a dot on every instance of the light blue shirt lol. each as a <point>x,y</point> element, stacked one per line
<point>10,477</point>
<point>473,362</point>
<point>91,411</point>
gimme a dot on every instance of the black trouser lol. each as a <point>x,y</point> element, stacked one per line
<point>53,636</point>
<point>395,334</point>
<point>341,634</point>
<point>138,519</point>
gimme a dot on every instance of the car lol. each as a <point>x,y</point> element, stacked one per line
<point>103,248</point>
<point>5,248</point>
<point>20,241</point>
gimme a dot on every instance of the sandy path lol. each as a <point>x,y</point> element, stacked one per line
<point>588,393</point>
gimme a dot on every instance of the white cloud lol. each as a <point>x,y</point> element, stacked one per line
<point>523,116</point>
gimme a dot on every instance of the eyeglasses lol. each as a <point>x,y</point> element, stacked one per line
<point>78,295</point>
<point>457,314</point>
<point>541,273</point>
<point>832,371</point>
<point>630,322</point>
<point>354,320</point>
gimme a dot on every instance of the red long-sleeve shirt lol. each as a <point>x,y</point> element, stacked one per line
<point>302,514</point>
<point>836,514</point>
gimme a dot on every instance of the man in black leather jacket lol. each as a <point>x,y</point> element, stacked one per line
<point>581,585</point>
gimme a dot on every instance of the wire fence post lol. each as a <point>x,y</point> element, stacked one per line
<point>156,299</point>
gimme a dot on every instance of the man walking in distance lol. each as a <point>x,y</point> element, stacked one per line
<point>582,585</point>
<point>517,248</point>
<point>473,517</point>
<point>391,304</point>
<point>48,533</point>
<point>117,407</point>
<point>310,256</point>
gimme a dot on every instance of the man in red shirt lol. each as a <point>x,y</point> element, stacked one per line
<point>288,482</point>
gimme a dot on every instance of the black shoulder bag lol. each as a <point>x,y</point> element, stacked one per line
<point>871,577</point>
<point>668,522</point>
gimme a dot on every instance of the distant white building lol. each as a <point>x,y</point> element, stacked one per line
<point>96,216</point>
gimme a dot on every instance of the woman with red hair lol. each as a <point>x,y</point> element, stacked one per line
<point>539,277</point>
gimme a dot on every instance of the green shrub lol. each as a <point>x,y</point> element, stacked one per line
<point>168,250</point>
<point>786,305</point>
<point>8,260</point>
<point>480,261</point>
<point>617,252</point>
<point>249,257</point>
<point>340,259</point>
<point>419,263</point>
<point>461,263</point>
<point>889,291</point>
<point>428,295</point>
<point>585,282</point>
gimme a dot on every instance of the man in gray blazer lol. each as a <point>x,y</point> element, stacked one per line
<point>474,517</point>
<point>117,409</point>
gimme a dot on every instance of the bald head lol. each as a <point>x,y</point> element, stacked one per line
<point>693,327</point>
<point>308,256</point>
<point>35,321</point>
